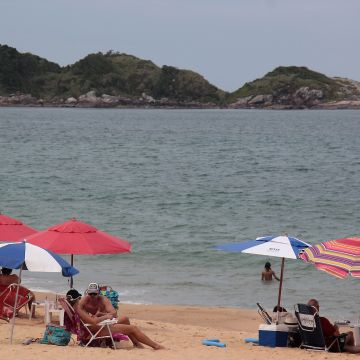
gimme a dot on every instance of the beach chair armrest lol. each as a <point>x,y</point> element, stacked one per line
<point>108,322</point>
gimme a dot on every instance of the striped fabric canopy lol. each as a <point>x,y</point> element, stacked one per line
<point>33,258</point>
<point>339,257</point>
<point>279,246</point>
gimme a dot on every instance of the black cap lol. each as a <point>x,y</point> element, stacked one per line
<point>73,295</point>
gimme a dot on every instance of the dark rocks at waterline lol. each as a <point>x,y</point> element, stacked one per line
<point>303,98</point>
<point>90,100</point>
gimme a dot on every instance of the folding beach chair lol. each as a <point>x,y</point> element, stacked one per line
<point>7,300</point>
<point>264,314</point>
<point>311,333</point>
<point>85,335</point>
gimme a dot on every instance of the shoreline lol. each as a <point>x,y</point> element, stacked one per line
<point>179,328</point>
<point>336,105</point>
<point>177,312</point>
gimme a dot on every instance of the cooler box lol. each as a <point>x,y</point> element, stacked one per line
<point>273,335</point>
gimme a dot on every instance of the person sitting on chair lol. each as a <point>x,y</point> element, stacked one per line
<point>132,331</point>
<point>278,308</point>
<point>97,305</point>
<point>330,331</point>
<point>279,313</point>
<point>7,278</point>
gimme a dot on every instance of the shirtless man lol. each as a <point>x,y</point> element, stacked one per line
<point>268,273</point>
<point>133,332</point>
<point>7,278</point>
<point>97,305</point>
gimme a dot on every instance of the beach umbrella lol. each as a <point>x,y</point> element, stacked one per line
<point>75,237</point>
<point>339,257</point>
<point>25,256</point>
<point>282,246</point>
<point>13,230</point>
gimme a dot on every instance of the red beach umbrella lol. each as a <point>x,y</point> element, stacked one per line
<point>78,238</point>
<point>13,230</point>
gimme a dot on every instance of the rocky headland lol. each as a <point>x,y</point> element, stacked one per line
<point>114,80</point>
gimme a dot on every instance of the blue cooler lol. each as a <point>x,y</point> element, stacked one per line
<point>273,335</point>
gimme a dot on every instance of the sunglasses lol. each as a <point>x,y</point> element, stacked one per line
<point>93,294</point>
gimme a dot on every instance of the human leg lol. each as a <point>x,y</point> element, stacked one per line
<point>136,334</point>
<point>32,299</point>
<point>350,339</point>
<point>125,320</point>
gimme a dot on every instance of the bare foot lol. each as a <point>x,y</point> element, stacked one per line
<point>159,347</point>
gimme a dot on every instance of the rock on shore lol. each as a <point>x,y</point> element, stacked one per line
<point>90,100</point>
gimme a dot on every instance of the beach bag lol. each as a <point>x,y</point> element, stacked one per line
<point>111,294</point>
<point>56,335</point>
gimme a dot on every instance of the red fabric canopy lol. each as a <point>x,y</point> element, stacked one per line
<point>13,230</point>
<point>78,238</point>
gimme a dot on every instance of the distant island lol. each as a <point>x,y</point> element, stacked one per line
<point>113,79</point>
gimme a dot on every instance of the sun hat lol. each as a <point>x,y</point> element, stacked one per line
<point>290,319</point>
<point>93,288</point>
<point>73,295</point>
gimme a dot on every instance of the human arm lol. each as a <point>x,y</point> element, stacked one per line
<point>273,273</point>
<point>107,306</point>
<point>88,318</point>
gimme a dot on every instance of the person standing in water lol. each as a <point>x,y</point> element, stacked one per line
<point>268,274</point>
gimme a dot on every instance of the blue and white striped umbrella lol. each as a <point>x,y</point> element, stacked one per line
<point>23,255</point>
<point>26,256</point>
<point>281,246</point>
<point>278,246</point>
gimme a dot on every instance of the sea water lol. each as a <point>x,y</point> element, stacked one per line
<point>175,183</point>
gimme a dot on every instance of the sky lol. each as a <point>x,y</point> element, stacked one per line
<point>229,42</point>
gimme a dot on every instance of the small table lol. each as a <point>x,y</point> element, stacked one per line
<point>49,310</point>
<point>33,307</point>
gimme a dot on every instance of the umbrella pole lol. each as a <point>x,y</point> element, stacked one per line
<point>14,313</point>
<point>280,286</point>
<point>71,278</point>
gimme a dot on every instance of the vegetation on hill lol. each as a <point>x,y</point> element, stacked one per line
<point>286,80</point>
<point>128,79</point>
<point>111,73</point>
<point>24,73</point>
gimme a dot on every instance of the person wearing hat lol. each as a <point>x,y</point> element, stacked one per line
<point>268,274</point>
<point>98,305</point>
<point>132,331</point>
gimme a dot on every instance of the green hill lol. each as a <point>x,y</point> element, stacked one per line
<point>24,73</point>
<point>294,86</point>
<point>111,73</point>
<point>115,79</point>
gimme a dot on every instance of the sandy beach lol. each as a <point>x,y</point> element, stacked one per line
<point>179,328</point>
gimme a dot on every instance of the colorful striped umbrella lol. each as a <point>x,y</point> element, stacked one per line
<point>339,257</point>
